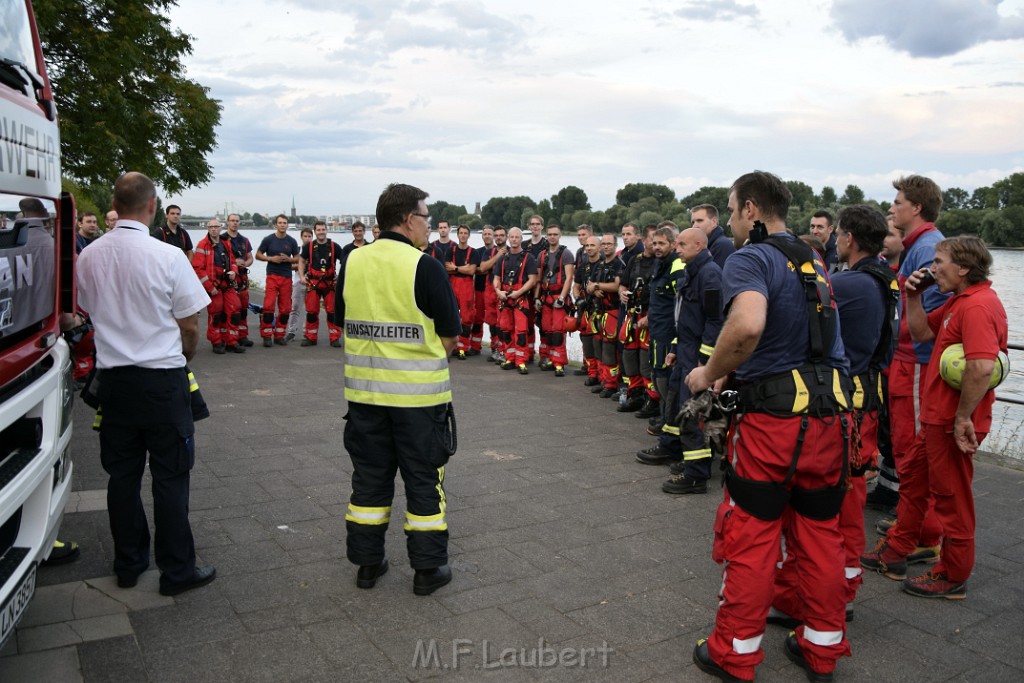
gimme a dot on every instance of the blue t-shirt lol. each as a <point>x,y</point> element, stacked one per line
<point>784,343</point>
<point>272,245</point>
<point>862,307</point>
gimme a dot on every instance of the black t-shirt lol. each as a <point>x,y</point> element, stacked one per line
<point>272,245</point>
<point>464,257</point>
<point>515,269</point>
<point>179,239</point>
<point>320,258</point>
<point>434,295</point>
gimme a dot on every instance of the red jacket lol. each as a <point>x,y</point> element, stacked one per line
<point>212,275</point>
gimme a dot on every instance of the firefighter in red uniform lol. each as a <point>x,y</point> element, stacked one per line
<point>604,286</point>
<point>215,265</point>
<point>635,295</point>
<point>318,270</point>
<point>241,247</point>
<point>514,278</point>
<point>486,300</point>
<point>461,265</point>
<point>788,444</point>
<point>280,251</point>
<point>586,308</point>
<point>556,269</point>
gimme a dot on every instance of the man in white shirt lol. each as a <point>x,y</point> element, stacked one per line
<point>143,298</point>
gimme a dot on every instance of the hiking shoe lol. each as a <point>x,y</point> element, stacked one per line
<point>523,369</point>
<point>655,429</point>
<point>308,342</point>
<point>649,409</point>
<point>885,561</point>
<point>924,554</point>
<point>268,342</point>
<point>703,660</point>
<point>930,585</point>
<point>677,467</point>
<point>219,349</point>
<point>883,525</point>
<point>681,484</point>
<point>796,655</point>
<point>559,371</point>
<point>656,455</point>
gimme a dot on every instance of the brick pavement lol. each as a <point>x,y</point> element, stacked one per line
<point>560,541</point>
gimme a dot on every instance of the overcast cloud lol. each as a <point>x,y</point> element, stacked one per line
<point>331,101</point>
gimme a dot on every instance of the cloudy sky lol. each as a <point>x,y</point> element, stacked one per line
<point>330,100</point>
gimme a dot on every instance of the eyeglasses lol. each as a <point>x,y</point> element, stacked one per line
<point>424,216</point>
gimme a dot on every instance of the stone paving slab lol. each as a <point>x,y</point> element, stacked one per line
<point>560,541</point>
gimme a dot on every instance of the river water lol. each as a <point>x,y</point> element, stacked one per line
<point>1007,437</point>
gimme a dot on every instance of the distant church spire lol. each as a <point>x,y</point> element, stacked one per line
<point>293,208</point>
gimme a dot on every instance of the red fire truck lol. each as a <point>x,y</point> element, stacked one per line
<point>36,285</point>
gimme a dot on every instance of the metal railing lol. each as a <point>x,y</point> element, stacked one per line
<point>1008,399</point>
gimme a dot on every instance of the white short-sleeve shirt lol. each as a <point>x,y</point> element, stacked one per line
<point>135,289</point>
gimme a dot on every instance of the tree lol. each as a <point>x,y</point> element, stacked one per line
<point>507,211</point>
<point>955,198</point>
<point>259,220</point>
<point>984,198</point>
<point>803,194</point>
<point>852,195</point>
<point>569,199</point>
<point>443,211</point>
<point>124,100</point>
<point>828,196</point>
<point>717,197</point>
<point>634,192</point>
<point>1010,190</point>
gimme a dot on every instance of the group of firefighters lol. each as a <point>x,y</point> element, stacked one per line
<point>687,327</point>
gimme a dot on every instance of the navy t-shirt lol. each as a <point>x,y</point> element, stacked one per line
<point>464,257</point>
<point>272,245</point>
<point>862,307</point>
<point>784,343</point>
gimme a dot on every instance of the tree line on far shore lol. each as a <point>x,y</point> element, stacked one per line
<point>995,213</point>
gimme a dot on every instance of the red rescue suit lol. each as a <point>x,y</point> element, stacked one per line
<point>485,303</point>
<point>465,293</point>
<point>212,263</point>
<point>552,313</point>
<point>513,271</point>
<point>322,276</point>
<point>241,248</point>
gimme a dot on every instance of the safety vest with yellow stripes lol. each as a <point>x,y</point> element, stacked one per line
<point>393,356</point>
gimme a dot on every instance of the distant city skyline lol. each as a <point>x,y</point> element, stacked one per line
<point>330,102</point>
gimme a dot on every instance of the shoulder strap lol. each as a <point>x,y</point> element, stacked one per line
<point>820,304</point>
<point>891,296</point>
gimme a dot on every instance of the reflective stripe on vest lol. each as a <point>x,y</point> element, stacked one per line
<point>393,354</point>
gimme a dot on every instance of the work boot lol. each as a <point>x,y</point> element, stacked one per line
<point>219,349</point>
<point>703,660</point>
<point>460,354</point>
<point>654,429</point>
<point>883,499</point>
<point>237,348</point>
<point>656,455</point>
<point>924,554</point>
<point>245,341</point>
<point>883,525</point>
<point>282,342</point>
<point>931,585</point>
<point>796,655</point>
<point>609,392</point>
<point>288,337</point>
<point>508,365</point>
<point>677,467</point>
<point>336,343</point>
<point>591,382</point>
<point>545,365</point>
<point>473,352</point>
<point>649,409</point>
<point>308,342</point>
<point>523,369</point>
<point>885,561</point>
<point>559,371</point>
<point>268,342</point>
<point>681,484</point>
<point>631,405</point>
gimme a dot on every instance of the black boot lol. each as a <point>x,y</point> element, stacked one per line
<point>650,408</point>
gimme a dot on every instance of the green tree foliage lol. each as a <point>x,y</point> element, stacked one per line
<point>259,220</point>
<point>507,211</point>
<point>852,195</point>
<point>984,198</point>
<point>955,198</point>
<point>634,192</point>
<point>827,196</point>
<point>443,211</point>
<point>474,222</point>
<point>546,212</point>
<point>716,196</point>
<point>1010,190</point>
<point>803,194</point>
<point>122,94</point>
<point>568,200</point>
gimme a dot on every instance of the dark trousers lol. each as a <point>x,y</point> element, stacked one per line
<point>382,441</point>
<point>147,411</point>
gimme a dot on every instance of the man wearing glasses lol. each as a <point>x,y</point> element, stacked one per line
<point>401,321</point>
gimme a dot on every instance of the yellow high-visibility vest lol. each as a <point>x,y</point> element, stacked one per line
<point>393,356</point>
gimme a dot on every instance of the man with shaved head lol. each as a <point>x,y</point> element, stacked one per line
<point>515,276</point>
<point>698,322</point>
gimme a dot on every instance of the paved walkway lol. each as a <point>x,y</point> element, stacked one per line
<point>570,564</point>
